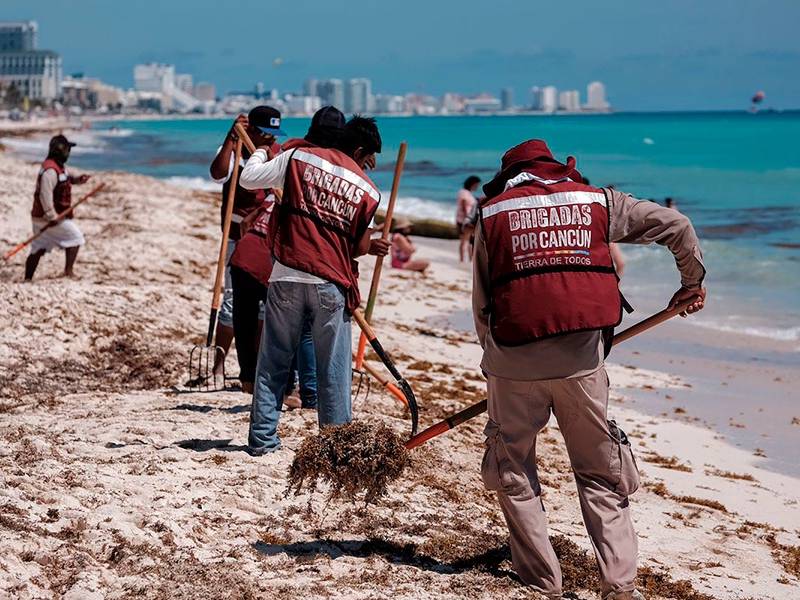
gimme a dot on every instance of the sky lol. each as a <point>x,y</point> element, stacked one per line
<point>652,55</point>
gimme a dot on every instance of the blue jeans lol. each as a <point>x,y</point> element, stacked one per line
<point>304,368</point>
<point>289,306</point>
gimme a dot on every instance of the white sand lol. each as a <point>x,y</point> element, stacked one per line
<point>111,486</point>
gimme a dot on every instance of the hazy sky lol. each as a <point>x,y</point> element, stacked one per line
<point>682,54</point>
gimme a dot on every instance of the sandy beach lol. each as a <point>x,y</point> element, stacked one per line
<point>115,485</point>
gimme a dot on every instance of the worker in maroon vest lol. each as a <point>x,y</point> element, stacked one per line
<point>320,227</point>
<point>545,301</point>
<point>263,125</point>
<point>53,197</point>
<point>251,267</point>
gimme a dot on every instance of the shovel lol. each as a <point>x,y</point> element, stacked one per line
<point>401,383</point>
<point>480,407</point>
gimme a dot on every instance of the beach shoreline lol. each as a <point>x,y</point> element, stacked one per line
<point>115,485</point>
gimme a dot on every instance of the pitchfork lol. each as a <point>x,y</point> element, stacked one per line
<point>202,359</point>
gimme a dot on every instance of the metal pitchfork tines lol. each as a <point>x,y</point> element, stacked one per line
<point>202,360</point>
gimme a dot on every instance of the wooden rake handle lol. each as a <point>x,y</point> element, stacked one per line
<point>481,407</point>
<point>59,217</point>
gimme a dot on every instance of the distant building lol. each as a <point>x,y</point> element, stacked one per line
<point>161,79</point>
<point>154,77</point>
<point>596,96</point>
<point>332,92</point>
<point>481,104</point>
<point>388,104</point>
<point>36,74</point>
<point>259,89</point>
<point>91,94</point>
<point>205,92</point>
<point>452,103</point>
<point>184,82</point>
<point>507,98</point>
<point>569,101</point>
<point>18,36</point>
<point>545,99</point>
<point>303,105</point>
<point>421,104</point>
<point>310,87</point>
<point>358,96</point>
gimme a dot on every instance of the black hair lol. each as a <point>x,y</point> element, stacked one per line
<point>470,181</point>
<point>360,132</point>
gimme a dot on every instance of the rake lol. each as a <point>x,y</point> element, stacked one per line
<point>480,407</point>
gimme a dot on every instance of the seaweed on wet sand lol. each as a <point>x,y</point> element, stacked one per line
<point>356,460</point>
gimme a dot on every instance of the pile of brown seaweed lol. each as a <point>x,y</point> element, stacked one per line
<point>357,461</point>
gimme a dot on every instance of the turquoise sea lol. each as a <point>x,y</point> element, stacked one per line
<point>736,175</point>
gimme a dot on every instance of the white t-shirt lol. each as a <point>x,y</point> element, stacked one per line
<point>260,173</point>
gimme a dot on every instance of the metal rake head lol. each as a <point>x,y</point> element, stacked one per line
<point>363,381</point>
<point>202,360</point>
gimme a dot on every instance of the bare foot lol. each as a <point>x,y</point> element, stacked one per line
<point>70,275</point>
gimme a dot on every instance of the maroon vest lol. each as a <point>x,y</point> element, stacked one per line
<point>550,264</point>
<point>328,203</point>
<point>62,193</point>
<point>244,201</point>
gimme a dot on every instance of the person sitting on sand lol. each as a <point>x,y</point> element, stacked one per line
<point>53,196</point>
<point>251,267</point>
<point>465,205</point>
<point>545,302</point>
<point>403,249</point>
<point>320,227</point>
<point>262,124</point>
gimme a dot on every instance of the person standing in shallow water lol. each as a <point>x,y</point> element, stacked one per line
<point>53,196</point>
<point>545,302</point>
<point>465,205</point>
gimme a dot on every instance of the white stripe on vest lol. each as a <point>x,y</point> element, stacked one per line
<point>543,201</point>
<point>340,172</point>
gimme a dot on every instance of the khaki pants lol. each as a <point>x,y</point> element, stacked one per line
<point>605,473</point>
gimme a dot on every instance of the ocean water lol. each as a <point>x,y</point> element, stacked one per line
<point>736,175</point>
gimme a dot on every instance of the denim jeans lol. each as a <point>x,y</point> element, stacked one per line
<point>289,306</point>
<point>304,369</point>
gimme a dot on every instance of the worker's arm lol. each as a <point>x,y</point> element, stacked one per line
<point>222,165</point>
<point>374,246</point>
<point>80,179</point>
<point>47,184</point>
<point>261,173</point>
<point>635,221</point>
<point>480,286</point>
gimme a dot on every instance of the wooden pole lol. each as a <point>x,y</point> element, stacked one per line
<point>223,246</point>
<point>376,273</point>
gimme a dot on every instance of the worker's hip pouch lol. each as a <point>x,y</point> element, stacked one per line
<point>624,472</point>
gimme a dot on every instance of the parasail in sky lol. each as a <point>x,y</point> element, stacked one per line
<point>277,62</point>
<point>758,97</point>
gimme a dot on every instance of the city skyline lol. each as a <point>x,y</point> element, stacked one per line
<point>679,55</point>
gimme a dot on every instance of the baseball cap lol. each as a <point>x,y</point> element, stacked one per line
<point>327,116</point>
<point>267,119</point>
<point>60,140</point>
<point>326,127</point>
